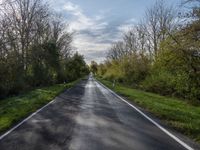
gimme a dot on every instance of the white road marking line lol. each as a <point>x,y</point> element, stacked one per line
<point>19,124</point>
<point>23,121</point>
<point>151,120</point>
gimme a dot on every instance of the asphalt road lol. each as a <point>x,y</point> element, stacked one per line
<point>88,117</point>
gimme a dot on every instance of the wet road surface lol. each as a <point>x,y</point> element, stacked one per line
<point>88,117</point>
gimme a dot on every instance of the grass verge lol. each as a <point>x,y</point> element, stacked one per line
<point>14,109</point>
<point>176,113</point>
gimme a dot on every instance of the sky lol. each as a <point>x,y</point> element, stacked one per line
<point>99,23</point>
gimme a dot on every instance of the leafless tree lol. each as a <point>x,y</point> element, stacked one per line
<point>117,51</point>
<point>130,40</point>
<point>61,36</point>
<point>159,21</point>
<point>26,23</point>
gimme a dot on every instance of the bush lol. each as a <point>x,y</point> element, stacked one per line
<point>11,76</point>
<point>159,82</point>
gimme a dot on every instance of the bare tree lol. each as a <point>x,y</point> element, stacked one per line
<point>117,51</point>
<point>159,20</point>
<point>61,36</point>
<point>26,21</point>
<point>130,40</point>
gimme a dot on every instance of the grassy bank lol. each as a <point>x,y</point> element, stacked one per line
<point>16,108</point>
<point>176,113</point>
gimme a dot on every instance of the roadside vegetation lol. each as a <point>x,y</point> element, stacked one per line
<point>174,112</point>
<point>37,59</point>
<point>14,109</point>
<point>161,54</point>
<point>35,48</point>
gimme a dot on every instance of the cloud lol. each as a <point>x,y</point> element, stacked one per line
<point>71,7</point>
<point>94,34</point>
<point>128,25</point>
<point>80,21</point>
<point>89,38</point>
<point>98,55</point>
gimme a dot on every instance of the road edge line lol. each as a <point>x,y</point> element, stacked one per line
<point>29,117</point>
<point>148,118</point>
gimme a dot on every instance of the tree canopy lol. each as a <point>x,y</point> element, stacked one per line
<point>35,47</point>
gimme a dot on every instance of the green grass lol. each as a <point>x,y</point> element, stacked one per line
<point>174,112</point>
<point>14,109</point>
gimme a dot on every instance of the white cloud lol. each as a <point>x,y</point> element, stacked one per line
<point>88,43</point>
<point>80,21</point>
<point>71,7</point>
<point>88,31</point>
<point>93,34</point>
<point>128,25</point>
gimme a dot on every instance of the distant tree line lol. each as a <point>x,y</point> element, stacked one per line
<point>35,47</point>
<point>161,53</point>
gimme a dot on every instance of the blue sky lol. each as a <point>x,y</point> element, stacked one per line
<point>99,23</point>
